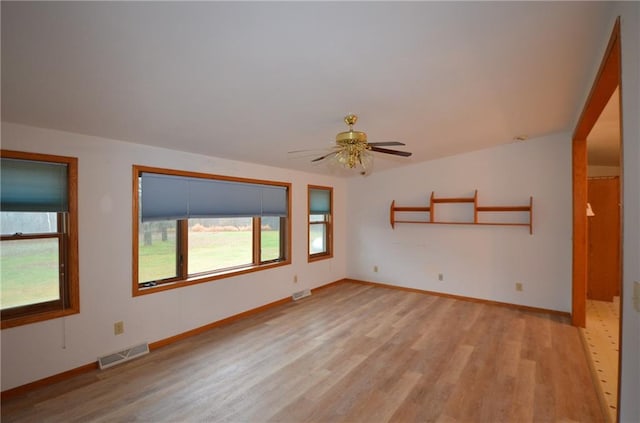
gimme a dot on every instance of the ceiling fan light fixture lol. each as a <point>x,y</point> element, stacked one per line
<point>366,162</point>
<point>352,151</point>
<point>355,156</point>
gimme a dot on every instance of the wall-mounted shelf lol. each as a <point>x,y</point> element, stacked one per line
<point>431,210</point>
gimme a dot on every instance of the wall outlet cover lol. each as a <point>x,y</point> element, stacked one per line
<point>118,328</point>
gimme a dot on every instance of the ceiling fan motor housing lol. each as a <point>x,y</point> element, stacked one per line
<point>351,137</point>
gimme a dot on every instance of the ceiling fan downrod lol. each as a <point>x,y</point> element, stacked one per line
<point>351,136</point>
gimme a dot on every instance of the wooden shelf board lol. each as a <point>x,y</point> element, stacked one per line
<point>476,209</point>
<point>454,223</point>
<point>503,224</point>
<point>412,209</point>
<point>503,208</point>
<point>463,223</point>
<point>454,200</point>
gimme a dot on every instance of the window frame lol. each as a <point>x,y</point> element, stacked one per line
<point>67,235</point>
<point>183,279</point>
<point>328,223</point>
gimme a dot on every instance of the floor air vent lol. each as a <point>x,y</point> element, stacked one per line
<point>122,356</point>
<point>301,294</point>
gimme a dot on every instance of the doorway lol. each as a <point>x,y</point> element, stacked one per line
<point>602,324</point>
<point>592,277</point>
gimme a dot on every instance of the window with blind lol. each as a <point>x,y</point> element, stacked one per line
<point>320,222</point>
<point>39,240</point>
<point>192,227</point>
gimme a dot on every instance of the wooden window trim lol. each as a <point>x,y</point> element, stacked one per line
<point>256,231</point>
<point>70,302</point>
<point>183,279</point>
<point>328,224</point>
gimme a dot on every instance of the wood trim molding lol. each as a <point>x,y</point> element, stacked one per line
<point>183,279</point>
<point>329,285</point>
<point>167,341</point>
<point>72,266</point>
<point>328,225</point>
<point>580,233</point>
<point>24,389</point>
<point>193,332</point>
<point>463,298</point>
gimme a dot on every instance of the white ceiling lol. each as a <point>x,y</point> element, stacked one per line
<point>252,81</point>
<point>603,142</point>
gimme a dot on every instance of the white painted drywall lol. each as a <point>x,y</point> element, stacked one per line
<point>629,12</point>
<point>476,261</point>
<point>35,351</point>
<point>38,350</point>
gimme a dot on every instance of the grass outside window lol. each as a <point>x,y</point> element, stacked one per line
<point>39,239</point>
<point>177,252</point>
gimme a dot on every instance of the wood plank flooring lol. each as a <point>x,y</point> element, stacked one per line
<point>350,353</point>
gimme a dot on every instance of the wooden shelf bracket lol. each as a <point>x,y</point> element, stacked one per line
<point>433,200</point>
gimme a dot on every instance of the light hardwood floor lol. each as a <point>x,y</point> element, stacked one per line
<point>351,353</point>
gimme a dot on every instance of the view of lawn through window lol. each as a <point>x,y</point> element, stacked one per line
<point>157,251</point>
<point>213,244</point>
<point>192,227</point>
<point>38,237</point>
<point>29,267</point>
<point>219,244</point>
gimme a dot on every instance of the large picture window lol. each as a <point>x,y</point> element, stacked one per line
<point>320,222</point>
<point>39,241</point>
<point>192,227</point>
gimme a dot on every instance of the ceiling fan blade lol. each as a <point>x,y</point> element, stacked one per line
<point>308,150</point>
<point>389,151</point>
<point>323,157</point>
<point>386,143</point>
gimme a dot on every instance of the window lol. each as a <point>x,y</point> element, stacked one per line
<point>39,237</point>
<point>320,224</point>
<point>192,227</point>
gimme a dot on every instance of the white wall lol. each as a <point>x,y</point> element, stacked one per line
<point>482,262</point>
<point>38,350</point>
<point>629,13</point>
<point>477,261</point>
<point>630,368</point>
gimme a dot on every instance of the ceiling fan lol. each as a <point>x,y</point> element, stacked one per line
<point>353,151</point>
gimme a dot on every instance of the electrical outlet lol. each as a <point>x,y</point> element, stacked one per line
<point>118,328</point>
<point>295,278</point>
<point>375,269</point>
<point>440,276</point>
<point>518,286</point>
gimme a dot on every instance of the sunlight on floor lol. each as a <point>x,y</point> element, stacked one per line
<point>602,333</point>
